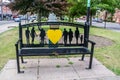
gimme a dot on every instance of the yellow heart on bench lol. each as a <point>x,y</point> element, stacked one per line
<point>54,35</point>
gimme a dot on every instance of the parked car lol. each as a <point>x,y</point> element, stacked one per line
<point>32,19</point>
<point>97,20</point>
<point>17,19</point>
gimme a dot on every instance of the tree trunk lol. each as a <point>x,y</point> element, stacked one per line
<point>69,19</point>
<point>39,16</point>
<point>72,19</point>
<point>112,17</point>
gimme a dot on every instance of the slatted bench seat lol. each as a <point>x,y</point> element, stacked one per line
<point>51,51</point>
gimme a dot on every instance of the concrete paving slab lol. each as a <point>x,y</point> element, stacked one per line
<point>53,62</point>
<point>30,63</point>
<point>62,73</point>
<point>103,78</point>
<point>49,70</point>
<point>57,69</point>
<point>97,71</point>
<point>12,74</point>
<point>11,64</point>
<point>29,68</point>
<point>110,78</point>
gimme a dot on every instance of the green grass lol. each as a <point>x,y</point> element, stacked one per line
<point>109,56</point>
<point>7,48</point>
<point>57,66</point>
<point>70,63</point>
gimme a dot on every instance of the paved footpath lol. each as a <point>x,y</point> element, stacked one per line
<point>7,25</point>
<point>57,69</point>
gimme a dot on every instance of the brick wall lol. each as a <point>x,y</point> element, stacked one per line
<point>116,16</point>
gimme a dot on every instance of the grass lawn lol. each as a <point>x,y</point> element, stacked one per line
<point>7,48</point>
<point>109,56</point>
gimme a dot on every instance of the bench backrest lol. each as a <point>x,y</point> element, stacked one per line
<point>34,34</point>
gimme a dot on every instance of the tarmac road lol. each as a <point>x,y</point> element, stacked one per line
<point>109,25</point>
<point>6,25</point>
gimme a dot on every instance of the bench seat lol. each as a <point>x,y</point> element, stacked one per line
<point>35,51</point>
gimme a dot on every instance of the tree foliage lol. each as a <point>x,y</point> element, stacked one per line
<point>80,6</point>
<point>118,3</point>
<point>58,7</point>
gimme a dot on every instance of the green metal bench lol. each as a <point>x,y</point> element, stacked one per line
<point>23,49</point>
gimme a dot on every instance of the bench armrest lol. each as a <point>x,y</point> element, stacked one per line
<point>16,44</point>
<point>17,47</point>
<point>92,45</point>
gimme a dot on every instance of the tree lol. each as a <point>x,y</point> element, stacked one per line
<point>109,6</point>
<point>42,7</point>
<point>79,7</point>
<point>117,4</point>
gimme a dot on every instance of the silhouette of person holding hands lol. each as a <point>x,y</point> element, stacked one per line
<point>65,34</point>
<point>70,33</point>
<point>42,35</point>
<point>77,34</point>
<point>27,34</point>
<point>33,33</point>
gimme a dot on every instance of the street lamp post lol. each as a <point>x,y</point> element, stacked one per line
<point>88,10</point>
<point>87,25</point>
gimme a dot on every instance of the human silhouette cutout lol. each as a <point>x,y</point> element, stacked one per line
<point>81,39</point>
<point>42,35</point>
<point>65,34</point>
<point>27,34</point>
<point>33,33</point>
<point>70,33</point>
<point>77,34</point>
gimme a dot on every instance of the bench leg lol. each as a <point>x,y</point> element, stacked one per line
<point>22,60</point>
<point>18,62</point>
<point>18,65</point>
<point>83,57</point>
<point>90,62</point>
